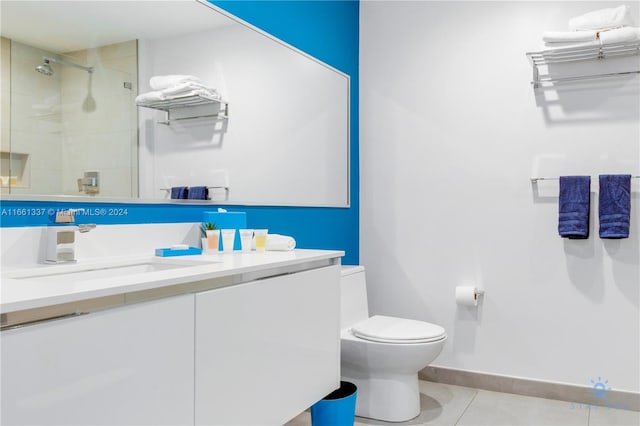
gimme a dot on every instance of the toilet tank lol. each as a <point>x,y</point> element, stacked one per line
<point>353,296</point>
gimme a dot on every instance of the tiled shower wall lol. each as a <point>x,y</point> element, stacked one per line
<point>100,119</point>
<point>34,125</point>
<point>64,123</point>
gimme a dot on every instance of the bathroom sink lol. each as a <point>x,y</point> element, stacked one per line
<point>79,272</point>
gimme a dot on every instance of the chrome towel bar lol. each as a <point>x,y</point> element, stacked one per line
<point>225,188</point>
<point>536,179</point>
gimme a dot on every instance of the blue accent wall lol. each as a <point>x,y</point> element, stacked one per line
<point>327,30</point>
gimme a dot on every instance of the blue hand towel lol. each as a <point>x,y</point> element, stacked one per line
<point>573,206</point>
<point>179,192</point>
<point>198,193</point>
<point>614,206</point>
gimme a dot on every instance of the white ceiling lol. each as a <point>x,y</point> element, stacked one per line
<point>66,26</point>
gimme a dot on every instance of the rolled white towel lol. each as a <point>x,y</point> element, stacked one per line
<point>602,19</point>
<point>160,82</point>
<point>569,36</point>
<point>277,242</point>
<point>619,35</point>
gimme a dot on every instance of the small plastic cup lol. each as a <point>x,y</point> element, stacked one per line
<point>228,237</point>
<point>246,239</point>
<point>260,236</point>
<point>213,240</point>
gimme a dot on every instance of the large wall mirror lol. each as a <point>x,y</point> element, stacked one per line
<point>275,133</point>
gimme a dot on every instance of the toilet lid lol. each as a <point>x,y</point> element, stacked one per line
<point>380,328</point>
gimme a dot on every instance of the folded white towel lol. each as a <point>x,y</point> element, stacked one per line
<point>203,93</point>
<point>602,19</point>
<point>569,36</point>
<point>556,46</point>
<point>209,94</point>
<point>277,242</point>
<point>168,94</point>
<point>149,97</point>
<point>160,82</point>
<point>619,35</point>
<point>182,88</point>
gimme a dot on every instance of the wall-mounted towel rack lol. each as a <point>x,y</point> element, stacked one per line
<point>580,54</point>
<point>536,179</point>
<point>192,106</point>
<point>210,188</point>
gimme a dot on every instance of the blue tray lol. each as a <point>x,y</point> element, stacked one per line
<point>166,252</point>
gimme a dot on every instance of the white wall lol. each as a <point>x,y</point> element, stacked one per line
<point>451,132</point>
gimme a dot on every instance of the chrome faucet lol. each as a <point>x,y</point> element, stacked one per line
<point>61,239</point>
<point>86,227</point>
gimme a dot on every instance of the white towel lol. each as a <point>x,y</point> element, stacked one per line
<point>605,38</point>
<point>555,46</point>
<point>569,36</point>
<point>187,87</point>
<point>277,242</point>
<point>619,35</point>
<point>177,92</point>
<point>160,82</point>
<point>149,97</point>
<point>210,94</point>
<point>602,19</point>
<point>157,95</point>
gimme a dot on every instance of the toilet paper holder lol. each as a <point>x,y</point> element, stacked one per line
<point>479,292</point>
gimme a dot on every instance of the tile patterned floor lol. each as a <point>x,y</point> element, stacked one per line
<point>456,405</point>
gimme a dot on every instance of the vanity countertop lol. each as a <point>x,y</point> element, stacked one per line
<point>46,285</point>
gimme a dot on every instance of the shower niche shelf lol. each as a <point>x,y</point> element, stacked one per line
<point>14,170</point>
<point>581,54</point>
<point>189,108</point>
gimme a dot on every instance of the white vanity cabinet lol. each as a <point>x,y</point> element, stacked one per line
<point>127,365</point>
<point>243,338</point>
<point>267,349</point>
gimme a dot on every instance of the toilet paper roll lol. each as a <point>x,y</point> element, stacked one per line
<point>467,296</point>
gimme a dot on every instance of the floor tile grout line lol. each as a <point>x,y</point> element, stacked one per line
<point>467,407</point>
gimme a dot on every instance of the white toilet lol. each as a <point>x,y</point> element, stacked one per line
<point>382,355</point>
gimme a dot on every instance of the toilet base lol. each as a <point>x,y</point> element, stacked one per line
<point>387,397</point>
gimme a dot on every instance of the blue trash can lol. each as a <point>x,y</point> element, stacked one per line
<point>336,409</point>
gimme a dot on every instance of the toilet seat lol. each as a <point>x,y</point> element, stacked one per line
<point>384,329</point>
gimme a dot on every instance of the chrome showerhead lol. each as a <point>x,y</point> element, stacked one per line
<point>45,68</point>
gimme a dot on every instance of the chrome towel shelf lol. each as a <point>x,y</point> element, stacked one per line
<point>581,54</point>
<point>191,107</point>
